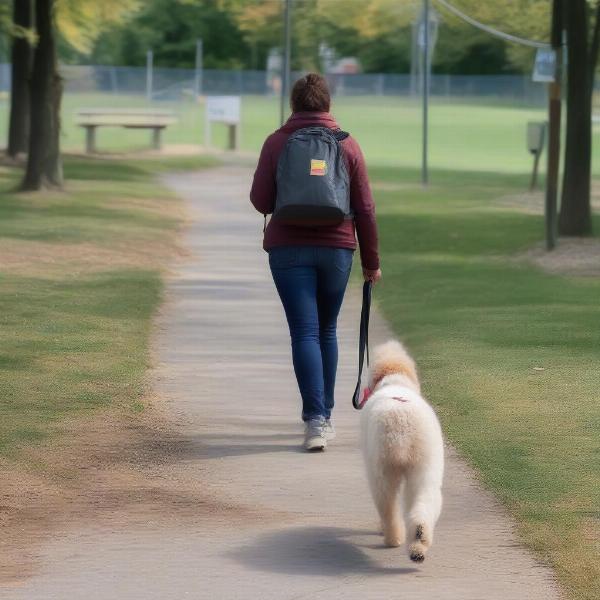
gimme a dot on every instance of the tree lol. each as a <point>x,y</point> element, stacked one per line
<point>21,55</point>
<point>378,33</point>
<point>260,24</point>
<point>5,19</point>
<point>43,162</point>
<point>44,165</point>
<point>170,28</point>
<point>583,40</point>
<point>464,49</point>
<point>240,33</point>
<point>81,22</point>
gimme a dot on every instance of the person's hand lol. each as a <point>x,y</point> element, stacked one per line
<point>372,275</point>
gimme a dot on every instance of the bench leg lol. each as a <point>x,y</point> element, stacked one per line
<point>90,139</point>
<point>157,138</point>
<point>232,142</point>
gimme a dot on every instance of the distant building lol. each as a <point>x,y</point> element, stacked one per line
<point>348,65</point>
<point>274,69</point>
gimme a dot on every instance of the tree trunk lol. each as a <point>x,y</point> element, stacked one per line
<point>43,164</point>
<point>18,128</point>
<point>575,211</point>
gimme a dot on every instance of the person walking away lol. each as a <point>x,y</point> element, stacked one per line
<point>312,178</point>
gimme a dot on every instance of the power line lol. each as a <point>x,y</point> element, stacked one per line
<point>495,32</point>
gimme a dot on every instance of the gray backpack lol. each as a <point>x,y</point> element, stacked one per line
<point>313,186</point>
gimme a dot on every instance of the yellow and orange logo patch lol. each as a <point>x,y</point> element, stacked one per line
<point>318,167</point>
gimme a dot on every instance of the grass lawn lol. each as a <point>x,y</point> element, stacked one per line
<point>509,355</point>
<point>470,135</point>
<point>80,278</point>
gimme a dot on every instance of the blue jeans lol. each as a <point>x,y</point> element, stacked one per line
<point>311,281</point>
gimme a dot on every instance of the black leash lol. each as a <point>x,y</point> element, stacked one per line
<point>363,341</point>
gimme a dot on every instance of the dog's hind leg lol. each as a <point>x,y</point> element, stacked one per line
<point>423,506</point>
<point>384,488</point>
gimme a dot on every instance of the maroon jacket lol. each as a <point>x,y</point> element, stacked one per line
<point>264,190</point>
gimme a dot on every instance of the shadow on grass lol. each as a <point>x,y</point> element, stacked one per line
<point>122,294</point>
<point>131,170</point>
<point>81,168</point>
<point>68,217</point>
<point>452,177</point>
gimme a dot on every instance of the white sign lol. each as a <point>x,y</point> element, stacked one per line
<point>536,134</point>
<point>225,109</point>
<point>545,65</point>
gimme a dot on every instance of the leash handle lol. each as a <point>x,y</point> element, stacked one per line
<point>363,341</point>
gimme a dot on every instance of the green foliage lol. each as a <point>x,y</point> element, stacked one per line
<point>80,22</point>
<point>5,27</point>
<point>378,33</point>
<point>463,47</point>
<point>170,28</point>
<point>5,17</point>
<point>240,33</point>
<point>260,24</point>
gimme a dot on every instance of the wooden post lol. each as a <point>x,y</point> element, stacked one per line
<point>554,113</point>
<point>90,139</point>
<point>534,174</point>
<point>231,137</point>
<point>21,55</point>
<point>156,138</point>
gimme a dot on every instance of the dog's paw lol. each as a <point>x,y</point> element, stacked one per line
<point>417,552</point>
<point>393,536</point>
<point>392,542</point>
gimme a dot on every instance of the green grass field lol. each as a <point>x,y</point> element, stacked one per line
<point>481,325</point>
<point>472,135</point>
<point>80,278</point>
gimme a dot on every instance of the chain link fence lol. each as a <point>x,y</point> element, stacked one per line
<point>469,113</point>
<point>180,85</point>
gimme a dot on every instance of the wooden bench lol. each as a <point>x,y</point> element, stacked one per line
<point>92,118</point>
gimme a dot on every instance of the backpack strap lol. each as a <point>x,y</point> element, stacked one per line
<point>340,135</point>
<point>363,342</point>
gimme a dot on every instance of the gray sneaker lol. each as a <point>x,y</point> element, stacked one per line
<point>329,429</point>
<point>314,435</point>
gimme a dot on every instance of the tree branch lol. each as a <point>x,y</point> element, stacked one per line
<point>595,45</point>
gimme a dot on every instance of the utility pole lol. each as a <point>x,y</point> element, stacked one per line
<point>287,54</point>
<point>425,166</point>
<point>198,70</point>
<point>554,115</point>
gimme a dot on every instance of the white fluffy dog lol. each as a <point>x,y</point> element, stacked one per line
<point>403,451</point>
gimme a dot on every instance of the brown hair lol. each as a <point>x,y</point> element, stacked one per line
<point>310,94</point>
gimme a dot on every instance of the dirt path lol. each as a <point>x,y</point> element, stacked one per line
<point>236,511</point>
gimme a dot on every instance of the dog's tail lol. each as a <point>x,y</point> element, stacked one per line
<point>392,358</point>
